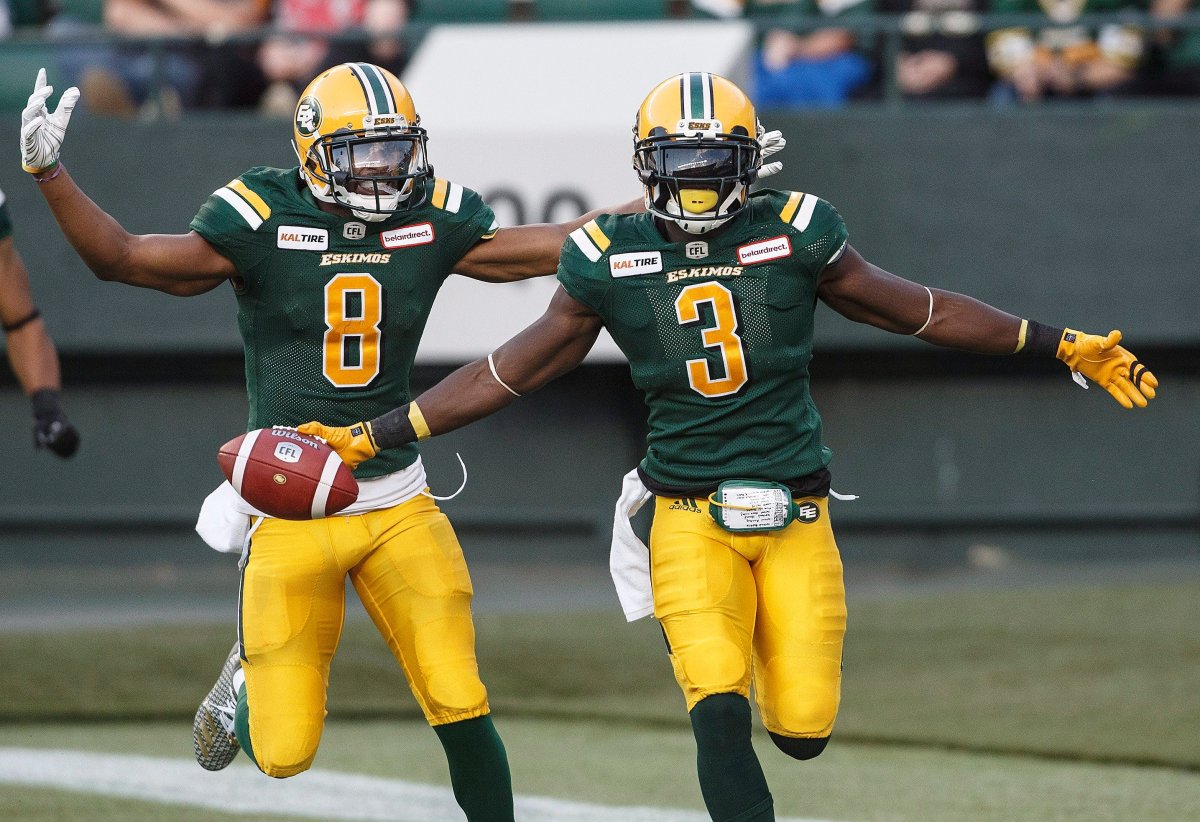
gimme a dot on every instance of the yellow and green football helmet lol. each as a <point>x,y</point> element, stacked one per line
<point>696,149</point>
<point>359,141</point>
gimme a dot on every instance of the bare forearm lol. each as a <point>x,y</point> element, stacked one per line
<point>101,242</point>
<point>179,264</point>
<point>467,395</point>
<point>527,251</point>
<point>959,321</point>
<point>33,358</point>
<point>866,293</point>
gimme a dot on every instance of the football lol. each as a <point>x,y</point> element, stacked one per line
<point>286,474</point>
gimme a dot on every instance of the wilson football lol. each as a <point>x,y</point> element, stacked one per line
<point>286,474</point>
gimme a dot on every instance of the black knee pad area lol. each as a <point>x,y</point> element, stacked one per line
<point>800,748</point>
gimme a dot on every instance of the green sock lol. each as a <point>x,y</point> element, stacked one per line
<point>731,779</point>
<point>241,724</point>
<point>478,769</point>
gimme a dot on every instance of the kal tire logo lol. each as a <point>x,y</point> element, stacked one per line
<point>765,250</point>
<point>409,235</point>
<point>696,251</point>
<point>354,231</point>
<point>807,512</point>
<point>287,452</point>
<point>635,263</point>
<point>308,116</point>
<point>302,238</point>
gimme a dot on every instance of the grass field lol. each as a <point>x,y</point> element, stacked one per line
<point>1054,703</point>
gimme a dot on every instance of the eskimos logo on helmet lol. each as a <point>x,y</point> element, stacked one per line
<point>308,116</point>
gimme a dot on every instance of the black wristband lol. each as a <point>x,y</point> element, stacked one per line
<point>393,428</point>
<point>1041,340</point>
<point>21,323</point>
<point>45,404</point>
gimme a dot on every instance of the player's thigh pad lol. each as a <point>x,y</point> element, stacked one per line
<point>800,628</point>
<point>416,587</point>
<point>292,608</point>
<point>704,597</point>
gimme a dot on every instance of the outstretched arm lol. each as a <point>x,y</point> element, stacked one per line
<point>865,293</point>
<point>525,251</point>
<point>181,264</point>
<point>549,348</point>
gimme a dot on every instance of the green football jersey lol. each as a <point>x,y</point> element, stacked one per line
<point>331,309</point>
<point>718,333</point>
<point>5,220</point>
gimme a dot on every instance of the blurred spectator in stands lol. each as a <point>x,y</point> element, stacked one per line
<point>941,55</point>
<point>805,67</point>
<point>1177,53</point>
<point>1064,60</point>
<point>291,58</point>
<point>123,79</point>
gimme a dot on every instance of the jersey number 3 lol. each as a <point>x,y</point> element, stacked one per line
<point>722,336</point>
<point>353,312</point>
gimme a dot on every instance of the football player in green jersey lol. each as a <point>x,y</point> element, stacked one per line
<point>31,352</point>
<point>336,264</point>
<point>711,295</point>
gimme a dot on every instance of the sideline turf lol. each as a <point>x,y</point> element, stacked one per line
<point>1103,673</point>
<point>614,763</point>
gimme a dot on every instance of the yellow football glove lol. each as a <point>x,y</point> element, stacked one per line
<point>353,443</point>
<point>1103,360</point>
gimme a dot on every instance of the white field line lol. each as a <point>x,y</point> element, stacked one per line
<point>314,794</point>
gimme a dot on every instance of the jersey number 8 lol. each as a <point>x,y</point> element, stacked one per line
<point>353,312</point>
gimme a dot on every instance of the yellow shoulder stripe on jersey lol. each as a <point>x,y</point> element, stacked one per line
<point>598,236</point>
<point>257,203</point>
<point>252,208</point>
<point>439,192</point>
<point>789,209</point>
<point>447,195</point>
<point>591,240</point>
<point>805,213</point>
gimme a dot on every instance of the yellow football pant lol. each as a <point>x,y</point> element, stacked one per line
<point>769,604</point>
<point>408,569</point>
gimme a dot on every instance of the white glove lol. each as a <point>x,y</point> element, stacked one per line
<point>770,143</point>
<point>42,133</point>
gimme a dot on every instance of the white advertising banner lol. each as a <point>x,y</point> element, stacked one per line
<point>538,119</point>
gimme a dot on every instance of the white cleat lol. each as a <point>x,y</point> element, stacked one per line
<point>212,731</point>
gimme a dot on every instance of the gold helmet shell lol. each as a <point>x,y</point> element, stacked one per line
<point>696,149</point>
<point>358,138</point>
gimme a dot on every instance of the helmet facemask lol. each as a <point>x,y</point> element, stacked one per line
<point>699,182</point>
<point>373,172</point>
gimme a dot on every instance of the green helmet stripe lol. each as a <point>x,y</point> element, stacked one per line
<point>374,88</point>
<point>696,97</point>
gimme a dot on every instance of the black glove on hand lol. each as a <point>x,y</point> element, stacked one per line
<point>51,428</point>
